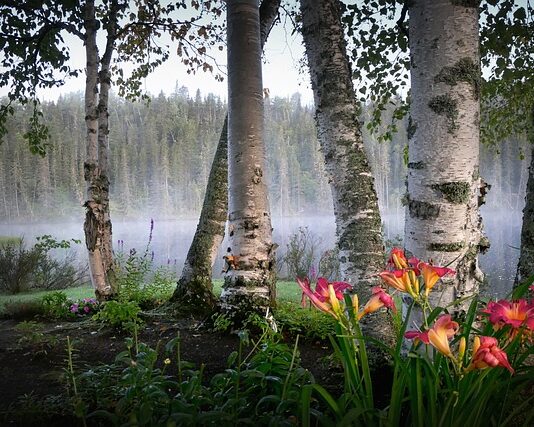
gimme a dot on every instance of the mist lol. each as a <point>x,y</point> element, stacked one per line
<point>160,159</point>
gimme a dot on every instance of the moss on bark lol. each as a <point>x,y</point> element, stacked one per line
<point>423,210</point>
<point>446,247</point>
<point>445,105</point>
<point>454,192</point>
<point>465,70</point>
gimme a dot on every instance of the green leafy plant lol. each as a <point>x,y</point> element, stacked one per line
<point>56,305</point>
<point>262,385</point>
<point>117,314</point>
<point>139,280</point>
<point>310,324</point>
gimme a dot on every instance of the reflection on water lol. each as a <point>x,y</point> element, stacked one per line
<point>171,240</point>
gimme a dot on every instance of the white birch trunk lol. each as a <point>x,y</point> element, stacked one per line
<point>249,283</point>
<point>358,224</point>
<point>194,289</point>
<point>97,224</point>
<point>442,220</point>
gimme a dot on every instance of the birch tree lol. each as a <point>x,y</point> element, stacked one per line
<point>358,224</point>
<point>97,224</point>
<point>249,281</point>
<point>442,221</point>
<point>194,289</point>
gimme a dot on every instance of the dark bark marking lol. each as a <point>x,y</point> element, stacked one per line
<point>457,192</point>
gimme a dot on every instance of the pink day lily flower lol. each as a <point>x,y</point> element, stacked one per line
<point>439,335</point>
<point>324,291</point>
<point>378,300</point>
<point>514,313</point>
<point>432,274</point>
<point>487,354</point>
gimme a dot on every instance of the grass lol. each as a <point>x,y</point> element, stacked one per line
<point>286,291</point>
<point>83,291</point>
<point>7,240</point>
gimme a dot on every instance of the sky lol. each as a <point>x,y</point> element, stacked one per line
<point>282,55</point>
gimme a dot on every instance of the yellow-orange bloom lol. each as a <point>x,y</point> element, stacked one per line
<point>402,280</point>
<point>439,335</point>
<point>432,274</point>
<point>378,300</point>
<point>398,259</point>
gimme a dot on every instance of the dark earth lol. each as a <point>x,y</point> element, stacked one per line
<point>37,369</point>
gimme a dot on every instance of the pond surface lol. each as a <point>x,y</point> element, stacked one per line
<point>171,240</point>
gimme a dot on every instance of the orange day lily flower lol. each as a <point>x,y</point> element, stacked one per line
<point>514,313</point>
<point>439,335</point>
<point>432,274</point>
<point>402,280</point>
<point>397,259</point>
<point>378,300</point>
<point>487,354</point>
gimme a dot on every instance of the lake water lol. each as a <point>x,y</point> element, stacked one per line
<point>171,240</point>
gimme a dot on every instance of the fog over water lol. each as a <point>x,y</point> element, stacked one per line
<point>171,240</point>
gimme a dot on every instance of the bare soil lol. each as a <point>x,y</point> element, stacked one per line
<point>37,369</point>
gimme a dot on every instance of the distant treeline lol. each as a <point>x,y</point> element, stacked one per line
<point>161,154</point>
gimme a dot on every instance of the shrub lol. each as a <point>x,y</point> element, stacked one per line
<point>301,252</point>
<point>17,267</point>
<point>22,269</point>
<point>20,310</point>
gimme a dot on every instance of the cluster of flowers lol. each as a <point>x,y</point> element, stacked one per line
<point>417,279</point>
<point>84,307</point>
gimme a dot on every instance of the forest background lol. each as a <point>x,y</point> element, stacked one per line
<point>161,154</point>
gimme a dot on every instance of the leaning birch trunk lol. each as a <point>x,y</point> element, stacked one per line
<point>358,224</point>
<point>249,281</point>
<point>442,219</point>
<point>195,289</point>
<point>525,266</point>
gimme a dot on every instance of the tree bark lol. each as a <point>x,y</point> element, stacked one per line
<point>249,280</point>
<point>443,223</point>
<point>358,224</point>
<point>357,216</point>
<point>525,266</point>
<point>97,226</point>
<point>194,291</point>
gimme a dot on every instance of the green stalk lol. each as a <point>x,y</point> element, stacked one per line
<point>290,368</point>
